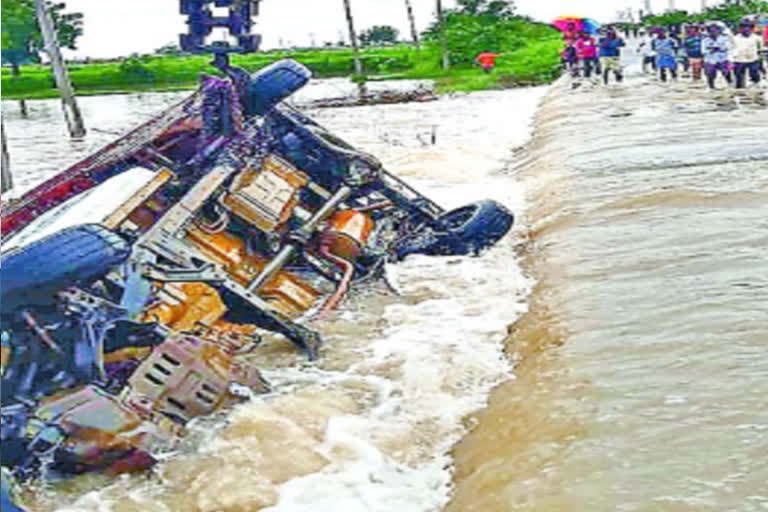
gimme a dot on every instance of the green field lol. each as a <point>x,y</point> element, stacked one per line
<point>533,63</point>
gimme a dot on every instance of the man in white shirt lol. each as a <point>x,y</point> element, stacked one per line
<point>746,54</point>
<point>716,49</point>
<point>646,48</point>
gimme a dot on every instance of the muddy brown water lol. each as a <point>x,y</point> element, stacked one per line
<point>371,425</point>
<point>635,376</point>
<point>641,377</point>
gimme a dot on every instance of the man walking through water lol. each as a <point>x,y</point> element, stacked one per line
<point>586,50</point>
<point>692,46</point>
<point>610,52</point>
<point>746,54</point>
<point>715,48</point>
<point>666,55</point>
<point>649,54</point>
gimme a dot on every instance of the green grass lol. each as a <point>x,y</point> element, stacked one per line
<point>534,63</point>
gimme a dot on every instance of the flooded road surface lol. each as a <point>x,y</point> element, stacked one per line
<point>370,426</point>
<point>641,376</point>
<point>636,283</point>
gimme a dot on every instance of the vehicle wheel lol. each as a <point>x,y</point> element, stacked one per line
<point>272,84</point>
<point>466,230</point>
<point>74,255</point>
<point>474,227</point>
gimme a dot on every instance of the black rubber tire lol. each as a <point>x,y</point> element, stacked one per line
<point>272,84</point>
<point>474,227</point>
<point>69,257</point>
<point>465,230</point>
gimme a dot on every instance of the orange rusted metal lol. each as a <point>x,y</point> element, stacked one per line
<point>6,356</point>
<point>347,233</point>
<point>285,292</point>
<point>228,251</point>
<point>288,294</point>
<point>184,306</point>
<point>266,197</point>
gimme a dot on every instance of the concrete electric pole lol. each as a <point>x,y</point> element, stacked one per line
<point>7,181</point>
<point>71,111</point>
<point>443,39</point>
<point>412,21</point>
<point>353,38</point>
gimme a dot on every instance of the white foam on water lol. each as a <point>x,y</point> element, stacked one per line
<point>448,353</point>
<point>370,427</point>
<point>444,338</point>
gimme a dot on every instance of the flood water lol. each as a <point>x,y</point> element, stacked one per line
<point>370,426</point>
<point>618,335</point>
<point>641,369</point>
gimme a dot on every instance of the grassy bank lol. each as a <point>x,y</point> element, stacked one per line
<point>532,63</point>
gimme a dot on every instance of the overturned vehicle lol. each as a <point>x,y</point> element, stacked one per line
<point>253,219</point>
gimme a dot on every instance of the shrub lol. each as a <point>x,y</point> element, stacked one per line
<point>136,71</point>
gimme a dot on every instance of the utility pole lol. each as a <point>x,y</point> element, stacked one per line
<point>353,38</point>
<point>414,32</point>
<point>672,6</point>
<point>648,9</point>
<point>7,181</point>
<point>71,111</point>
<point>703,5</point>
<point>443,39</point>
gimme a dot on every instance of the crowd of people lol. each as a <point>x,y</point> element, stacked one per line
<point>703,50</point>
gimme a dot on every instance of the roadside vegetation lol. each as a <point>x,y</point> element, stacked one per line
<point>530,57</point>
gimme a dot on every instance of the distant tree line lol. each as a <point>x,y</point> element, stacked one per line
<point>727,12</point>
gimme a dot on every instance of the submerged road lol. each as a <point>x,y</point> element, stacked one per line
<point>635,283</point>
<point>641,375</point>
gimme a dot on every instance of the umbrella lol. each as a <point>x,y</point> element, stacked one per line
<point>579,23</point>
<point>590,25</point>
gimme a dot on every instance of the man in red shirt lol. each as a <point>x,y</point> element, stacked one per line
<point>586,51</point>
<point>487,60</point>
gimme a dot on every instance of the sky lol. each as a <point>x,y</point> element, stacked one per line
<point>114,28</point>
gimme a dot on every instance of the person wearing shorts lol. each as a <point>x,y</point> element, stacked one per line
<point>610,56</point>
<point>692,45</point>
